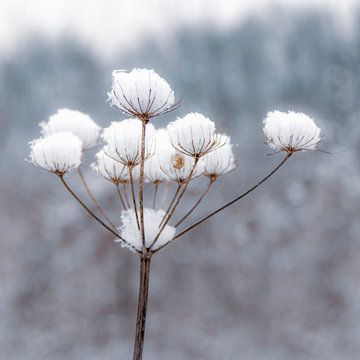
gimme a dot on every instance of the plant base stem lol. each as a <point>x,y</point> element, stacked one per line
<point>142,306</point>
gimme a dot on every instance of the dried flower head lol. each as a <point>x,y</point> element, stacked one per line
<point>58,153</point>
<point>75,122</point>
<point>129,229</point>
<point>220,161</point>
<point>194,135</point>
<point>123,141</point>
<point>110,169</point>
<point>152,170</point>
<point>178,167</point>
<point>291,131</point>
<point>141,93</point>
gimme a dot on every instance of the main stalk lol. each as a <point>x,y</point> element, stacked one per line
<point>142,306</point>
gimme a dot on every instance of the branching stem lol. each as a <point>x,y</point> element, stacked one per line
<point>132,187</point>
<point>93,199</point>
<point>229,203</point>
<point>76,197</point>
<point>201,198</point>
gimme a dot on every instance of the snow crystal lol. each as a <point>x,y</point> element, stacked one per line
<point>123,141</point>
<point>291,131</point>
<point>75,122</point>
<point>58,153</point>
<point>152,218</point>
<point>141,92</point>
<point>194,135</point>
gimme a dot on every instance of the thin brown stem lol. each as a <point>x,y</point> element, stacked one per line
<point>237,198</point>
<point>172,211</point>
<point>120,196</point>
<point>93,199</point>
<point>171,204</point>
<point>132,188</point>
<point>126,196</point>
<point>156,188</point>
<point>142,307</point>
<point>201,198</point>
<point>76,197</point>
<point>141,181</point>
<point>230,202</point>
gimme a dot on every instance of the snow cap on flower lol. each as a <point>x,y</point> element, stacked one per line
<point>291,131</point>
<point>75,122</point>
<point>141,92</point>
<point>152,169</point>
<point>194,135</point>
<point>123,141</point>
<point>130,232</point>
<point>110,169</point>
<point>220,161</point>
<point>58,153</point>
<point>178,167</point>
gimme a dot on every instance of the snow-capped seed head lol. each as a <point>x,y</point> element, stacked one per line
<point>58,153</point>
<point>178,167</point>
<point>152,170</point>
<point>141,93</point>
<point>130,232</point>
<point>123,141</point>
<point>291,131</point>
<point>75,122</point>
<point>220,161</point>
<point>110,169</point>
<point>194,135</point>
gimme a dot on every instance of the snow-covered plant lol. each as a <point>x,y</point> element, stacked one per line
<point>75,122</point>
<point>58,153</point>
<point>141,93</point>
<point>140,161</point>
<point>291,131</point>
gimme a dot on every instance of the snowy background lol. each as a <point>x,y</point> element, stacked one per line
<point>274,277</point>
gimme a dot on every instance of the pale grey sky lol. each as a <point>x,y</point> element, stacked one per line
<point>109,24</point>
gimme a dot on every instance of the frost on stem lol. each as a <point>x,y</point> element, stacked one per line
<point>152,170</point>
<point>123,141</point>
<point>220,161</point>
<point>291,131</point>
<point>58,153</point>
<point>194,135</point>
<point>141,93</point>
<point>129,229</point>
<point>75,122</point>
<point>110,169</point>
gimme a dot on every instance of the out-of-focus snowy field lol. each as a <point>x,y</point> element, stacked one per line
<point>275,277</point>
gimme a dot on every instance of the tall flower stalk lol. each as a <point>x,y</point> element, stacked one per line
<point>135,154</point>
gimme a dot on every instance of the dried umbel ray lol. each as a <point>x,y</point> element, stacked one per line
<point>132,152</point>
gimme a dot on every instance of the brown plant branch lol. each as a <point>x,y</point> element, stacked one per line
<point>120,196</point>
<point>132,188</point>
<point>93,199</point>
<point>76,197</point>
<point>229,203</point>
<point>201,198</point>
<point>142,306</point>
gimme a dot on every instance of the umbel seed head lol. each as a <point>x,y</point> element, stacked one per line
<point>194,135</point>
<point>73,121</point>
<point>141,93</point>
<point>58,153</point>
<point>291,131</point>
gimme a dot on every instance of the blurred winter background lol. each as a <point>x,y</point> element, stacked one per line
<point>274,277</point>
